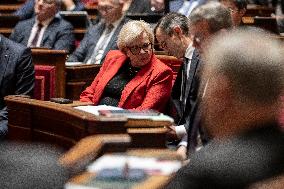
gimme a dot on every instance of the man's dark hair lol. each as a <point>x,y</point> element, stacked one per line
<point>170,20</point>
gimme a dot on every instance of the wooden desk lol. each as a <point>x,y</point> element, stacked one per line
<point>4,2</point>
<point>266,23</point>
<point>55,58</point>
<point>79,33</point>
<point>152,182</point>
<point>92,11</point>
<point>9,8</point>
<point>258,10</point>
<point>78,78</point>
<point>35,120</point>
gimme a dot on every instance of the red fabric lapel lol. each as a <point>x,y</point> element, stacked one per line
<point>114,65</point>
<point>137,80</point>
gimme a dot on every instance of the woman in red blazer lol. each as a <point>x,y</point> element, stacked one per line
<point>132,77</point>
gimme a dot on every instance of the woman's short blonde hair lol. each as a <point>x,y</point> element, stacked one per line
<point>130,32</point>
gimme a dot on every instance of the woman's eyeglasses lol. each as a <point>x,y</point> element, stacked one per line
<point>135,50</point>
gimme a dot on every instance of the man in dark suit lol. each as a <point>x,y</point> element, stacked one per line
<point>27,10</point>
<point>172,33</point>
<point>16,75</point>
<point>244,80</point>
<point>178,36</point>
<point>45,29</point>
<point>103,36</point>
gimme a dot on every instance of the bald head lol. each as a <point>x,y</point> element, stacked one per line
<point>252,60</point>
<point>243,72</point>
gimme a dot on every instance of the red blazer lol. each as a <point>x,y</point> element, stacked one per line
<point>149,89</point>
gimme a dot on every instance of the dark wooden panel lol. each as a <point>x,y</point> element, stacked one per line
<point>78,78</point>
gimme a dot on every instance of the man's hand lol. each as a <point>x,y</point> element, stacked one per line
<point>181,151</point>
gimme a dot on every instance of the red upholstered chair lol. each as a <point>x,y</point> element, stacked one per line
<point>172,62</point>
<point>44,82</point>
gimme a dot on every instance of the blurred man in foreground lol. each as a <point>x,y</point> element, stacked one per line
<point>243,81</point>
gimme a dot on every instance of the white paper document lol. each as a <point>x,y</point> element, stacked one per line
<point>152,166</point>
<point>73,63</point>
<point>95,109</point>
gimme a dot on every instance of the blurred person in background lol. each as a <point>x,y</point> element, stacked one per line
<point>45,29</point>
<point>102,37</point>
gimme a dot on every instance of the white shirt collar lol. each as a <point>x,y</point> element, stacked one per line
<point>189,51</point>
<point>116,23</point>
<point>45,22</point>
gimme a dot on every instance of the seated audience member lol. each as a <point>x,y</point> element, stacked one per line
<point>27,10</point>
<point>101,37</point>
<point>172,33</point>
<point>243,75</point>
<point>237,8</point>
<point>45,29</point>
<point>16,76</point>
<point>30,166</point>
<point>178,35</point>
<point>132,77</point>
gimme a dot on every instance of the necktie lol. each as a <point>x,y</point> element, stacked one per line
<point>99,50</point>
<point>184,97</point>
<point>36,37</point>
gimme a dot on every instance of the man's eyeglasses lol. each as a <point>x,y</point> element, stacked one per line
<point>135,50</point>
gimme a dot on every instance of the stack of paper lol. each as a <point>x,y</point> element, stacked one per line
<point>152,166</point>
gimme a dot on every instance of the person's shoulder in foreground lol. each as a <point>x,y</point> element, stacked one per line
<point>24,166</point>
<point>235,163</point>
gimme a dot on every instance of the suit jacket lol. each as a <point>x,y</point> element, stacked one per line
<point>184,112</point>
<point>16,75</point>
<point>237,162</point>
<point>84,52</point>
<point>27,10</point>
<point>149,89</point>
<point>58,34</point>
<point>140,6</point>
<point>34,165</point>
